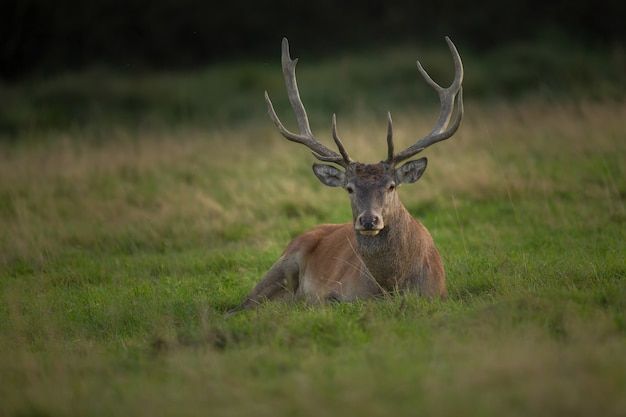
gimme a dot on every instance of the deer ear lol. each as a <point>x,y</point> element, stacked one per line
<point>411,171</point>
<point>329,175</point>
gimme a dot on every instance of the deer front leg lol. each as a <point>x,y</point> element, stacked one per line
<point>281,281</point>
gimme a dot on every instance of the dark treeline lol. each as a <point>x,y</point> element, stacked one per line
<point>42,35</point>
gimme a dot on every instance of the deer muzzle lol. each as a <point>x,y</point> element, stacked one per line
<point>369,224</point>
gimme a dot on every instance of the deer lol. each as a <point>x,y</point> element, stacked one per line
<point>384,250</point>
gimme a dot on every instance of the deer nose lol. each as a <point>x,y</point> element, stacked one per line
<point>369,221</point>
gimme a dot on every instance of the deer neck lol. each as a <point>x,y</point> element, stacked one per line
<point>388,254</point>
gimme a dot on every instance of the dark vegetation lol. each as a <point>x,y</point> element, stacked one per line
<point>232,93</point>
<point>41,36</point>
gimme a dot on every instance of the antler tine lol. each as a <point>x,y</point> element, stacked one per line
<point>447,97</point>
<point>338,142</point>
<point>389,138</point>
<point>433,138</point>
<point>305,137</point>
<point>289,72</point>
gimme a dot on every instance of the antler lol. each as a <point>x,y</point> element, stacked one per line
<point>305,137</point>
<point>442,130</point>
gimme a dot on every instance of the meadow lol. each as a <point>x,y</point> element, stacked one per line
<point>135,210</point>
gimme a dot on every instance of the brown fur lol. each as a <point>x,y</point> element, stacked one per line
<point>333,262</point>
<point>384,249</point>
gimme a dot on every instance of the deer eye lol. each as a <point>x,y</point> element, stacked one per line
<point>349,189</point>
<point>392,187</point>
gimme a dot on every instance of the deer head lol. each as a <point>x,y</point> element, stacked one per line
<point>372,187</point>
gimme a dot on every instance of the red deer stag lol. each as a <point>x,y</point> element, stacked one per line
<point>384,249</point>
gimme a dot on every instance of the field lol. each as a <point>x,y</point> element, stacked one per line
<point>126,236</point>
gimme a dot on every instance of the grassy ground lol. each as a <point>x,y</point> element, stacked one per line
<point>121,249</point>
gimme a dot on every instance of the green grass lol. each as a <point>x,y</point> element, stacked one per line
<point>122,247</point>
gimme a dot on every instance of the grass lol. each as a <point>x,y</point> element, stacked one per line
<point>121,248</point>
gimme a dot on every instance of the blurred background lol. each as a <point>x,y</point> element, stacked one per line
<point>69,63</point>
<point>144,191</point>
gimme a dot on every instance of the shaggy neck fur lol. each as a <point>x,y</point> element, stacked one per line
<point>391,255</point>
